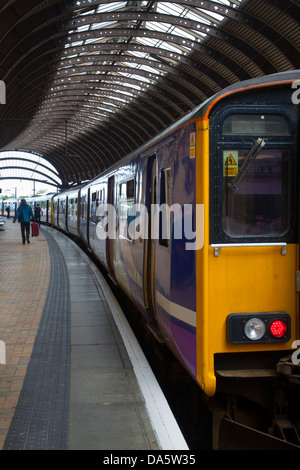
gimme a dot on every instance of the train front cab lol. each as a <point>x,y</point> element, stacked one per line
<point>247,305</point>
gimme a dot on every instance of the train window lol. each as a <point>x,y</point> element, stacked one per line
<point>130,189</point>
<point>255,202</point>
<point>127,189</point>
<point>256,124</point>
<point>126,203</point>
<point>165,177</point>
<point>62,208</point>
<point>94,205</point>
<point>83,207</point>
<point>97,206</point>
<point>73,207</point>
<point>123,191</point>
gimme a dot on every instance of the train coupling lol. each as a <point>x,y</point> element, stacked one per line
<point>289,368</point>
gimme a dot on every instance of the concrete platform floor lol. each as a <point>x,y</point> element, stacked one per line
<point>73,376</point>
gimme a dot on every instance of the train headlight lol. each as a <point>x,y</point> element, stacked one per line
<point>259,327</point>
<point>255,329</point>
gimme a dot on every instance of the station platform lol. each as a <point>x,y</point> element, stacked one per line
<point>72,375</point>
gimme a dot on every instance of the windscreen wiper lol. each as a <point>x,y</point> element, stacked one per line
<point>257,146</point>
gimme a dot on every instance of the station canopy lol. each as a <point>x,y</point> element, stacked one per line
<point>89,81</point>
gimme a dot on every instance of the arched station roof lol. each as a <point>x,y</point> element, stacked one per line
<point>28,166</point>
<point>88,81</point>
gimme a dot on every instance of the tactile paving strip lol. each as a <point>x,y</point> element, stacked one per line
<point>40,420</point>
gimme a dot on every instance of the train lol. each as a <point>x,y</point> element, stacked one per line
<point>200,229</point>
<point>12,203</point>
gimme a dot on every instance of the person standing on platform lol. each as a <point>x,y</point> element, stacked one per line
<point>24,215</point>
<point>37,214</point>
<point>8,211</point>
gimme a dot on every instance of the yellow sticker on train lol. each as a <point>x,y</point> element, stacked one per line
<point>230,162</point>
<point>192,144</point>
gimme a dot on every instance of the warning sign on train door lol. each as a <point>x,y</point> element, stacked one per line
<point>230,162</point>
<point>192,144</point>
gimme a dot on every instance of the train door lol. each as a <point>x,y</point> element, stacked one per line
<point>57,202</point>
<point>78,213</point>
<point>150,245</point>
<point>87,216</point>
<point>67,214</point>
<point>48,204</point>
<point>110,242</point>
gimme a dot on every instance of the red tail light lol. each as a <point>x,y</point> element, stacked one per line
<point>278,328</point>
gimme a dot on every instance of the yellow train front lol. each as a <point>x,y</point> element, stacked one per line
<point>247,179</point>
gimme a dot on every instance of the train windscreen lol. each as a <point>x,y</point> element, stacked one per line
<point>255,163</point>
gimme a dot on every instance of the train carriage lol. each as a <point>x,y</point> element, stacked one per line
<point>235,158</point>
<point>44,201</point>
<point>12,203</point>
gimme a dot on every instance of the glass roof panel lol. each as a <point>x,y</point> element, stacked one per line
<point>146,28</point>
<point>20,164</point>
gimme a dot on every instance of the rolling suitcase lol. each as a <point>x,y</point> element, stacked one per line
<point>35,229</point>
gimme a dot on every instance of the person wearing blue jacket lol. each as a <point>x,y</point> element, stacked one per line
<point>24,215</point>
